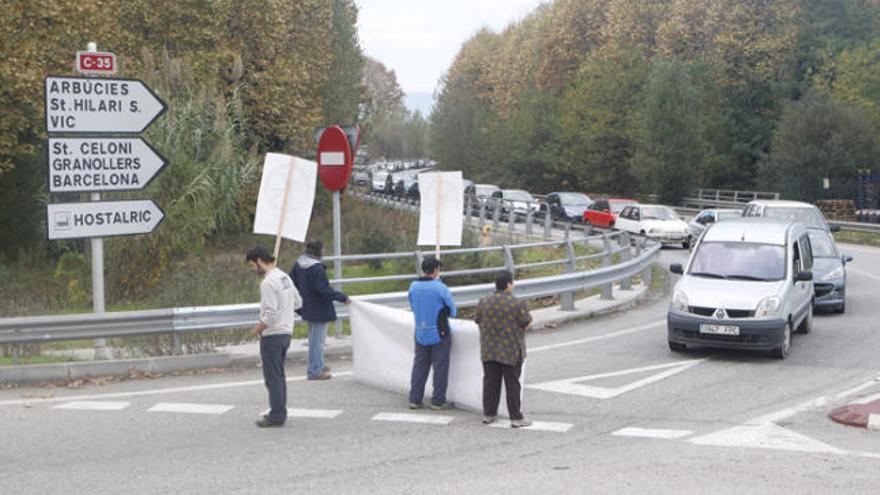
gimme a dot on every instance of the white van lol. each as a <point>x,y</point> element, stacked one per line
<point>747,285</point>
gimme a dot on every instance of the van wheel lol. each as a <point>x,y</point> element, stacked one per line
<point>841,309</point>
<point>688,243</point>
<point>807,325</point>
<point>676,347</point>
<point>783,350</point>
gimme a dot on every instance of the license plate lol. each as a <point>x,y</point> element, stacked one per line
<point>719,329</point>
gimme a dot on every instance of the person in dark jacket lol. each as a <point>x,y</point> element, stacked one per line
<point>503,320</point>
<point>432,305</point>
<point>310,277</point>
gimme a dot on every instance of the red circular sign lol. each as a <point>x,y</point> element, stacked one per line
<point>335,158</point>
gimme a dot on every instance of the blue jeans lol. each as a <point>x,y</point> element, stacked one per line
<point>426,357</point>
<point>317,334</point>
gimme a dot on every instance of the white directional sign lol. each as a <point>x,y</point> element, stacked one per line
<point>87,105</point>
<point>101,164</point>
<point>102,219</point>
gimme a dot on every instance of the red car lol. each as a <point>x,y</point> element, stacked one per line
<point>603,212</point>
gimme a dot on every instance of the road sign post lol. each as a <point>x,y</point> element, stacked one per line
<point>336,150</point>
<point>92,105</point>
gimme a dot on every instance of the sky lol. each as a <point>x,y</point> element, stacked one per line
<point>418,39</point>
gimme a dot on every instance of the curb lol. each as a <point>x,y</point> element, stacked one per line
<point>859,414</point>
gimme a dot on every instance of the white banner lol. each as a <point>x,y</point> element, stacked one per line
<point>442,208</point>
<point>300,197</point>
<point>383,355</point>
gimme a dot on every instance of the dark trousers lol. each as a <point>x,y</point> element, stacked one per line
<point>426,357</point>
<point>493,372</point>
<point>273,351</point>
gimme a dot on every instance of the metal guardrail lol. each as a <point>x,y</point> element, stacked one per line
<point>634,262</point>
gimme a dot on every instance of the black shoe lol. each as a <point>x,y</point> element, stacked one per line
<point>414,405</point>
<point>268,423</point>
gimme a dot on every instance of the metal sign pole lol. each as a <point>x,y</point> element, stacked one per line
<point>97,245</point>
<point>337,248</point>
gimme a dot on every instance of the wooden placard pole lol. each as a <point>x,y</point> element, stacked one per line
<point>283,210</point>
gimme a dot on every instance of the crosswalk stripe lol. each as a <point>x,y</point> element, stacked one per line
<point>433,419</point>
<point>652,433</point>
<point>537,426</point>
<point>310,413</point>
<point>180,407</point>
<point>93,405</point>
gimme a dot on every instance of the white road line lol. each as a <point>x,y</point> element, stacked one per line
<point>606,336</point>
<point>863,273</point>
<point>414,418</point>
<point>179,407</point>
<point>652,433</point>
<point>310,413</point>
<point>765,436</point>
<point>536,426</point>
<point>822,401</point>
<point>139,393</point>
<point>868,399</point>
<point>94,406</point>
<point>572,387</point>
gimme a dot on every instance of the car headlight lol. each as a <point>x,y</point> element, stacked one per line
<point>767,307</point>
<point>680,302</point>
<point>833,274</point>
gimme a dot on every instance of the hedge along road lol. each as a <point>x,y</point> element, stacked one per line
<point>619,413</point>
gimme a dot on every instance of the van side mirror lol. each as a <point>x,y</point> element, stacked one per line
<point>676,268</point>
<point>835,228</point>
<point>806,276</point>
<point>846,259</point>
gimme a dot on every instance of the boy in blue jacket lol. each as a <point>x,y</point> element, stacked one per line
<point>431,303</point>
<point>310,277</point>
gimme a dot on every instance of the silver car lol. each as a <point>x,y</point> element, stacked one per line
<point>705,218</point>
<point>747,285</point>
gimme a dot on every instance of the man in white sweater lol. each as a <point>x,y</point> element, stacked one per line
<point>278,300</point>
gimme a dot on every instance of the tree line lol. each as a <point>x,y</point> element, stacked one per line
<point>662,96</point>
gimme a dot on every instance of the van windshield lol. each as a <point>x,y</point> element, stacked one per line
<point>739,261</point>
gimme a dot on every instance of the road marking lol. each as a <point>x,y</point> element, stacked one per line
<point>652,433</point>
<point>310,413</point>
<point>570,386</point>
<point>178,407</point>
<point>139,393</point>
<point>93,406</point>
<point>874,421</point>
<point>414,418</point>
<point>536,426</point>
<point>765,436</point>
<point>868,399</point>
<point>863,273</point>
<point>606,336</point>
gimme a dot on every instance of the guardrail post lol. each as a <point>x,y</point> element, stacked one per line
<point>735,196</point>
<point>15,352</point>
<point>419,259</point>
<point>568,231</point>
<point>496,215</point>
<point>624,239</point>
<point>530,217</point>
<point>482,214</point>
<point>467,209</point>
<point>511,220</point>
<point>509,262</point>
<point>567,298</point>
<point>607,289</point>
<point>178,344</point>
<point>626,284</point>
<point>548,223</point>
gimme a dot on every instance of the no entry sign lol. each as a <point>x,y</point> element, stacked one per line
<point>335,158</point>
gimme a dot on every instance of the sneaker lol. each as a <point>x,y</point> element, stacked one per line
<point>323,376</point>
<point>267,423</point>
<point>442,407</point>
<point>326,369</point>
<point>488,420</point>
<point>413,405</point>
<point>520,423</point>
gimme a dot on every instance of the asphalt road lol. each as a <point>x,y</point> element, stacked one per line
<point>619,413</point>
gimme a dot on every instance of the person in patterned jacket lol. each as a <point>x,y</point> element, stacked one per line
<point>503,320</point>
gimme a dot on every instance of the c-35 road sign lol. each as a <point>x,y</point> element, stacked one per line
<point>88,105</point>
<point>101,164</point>
<point>102,218</point>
